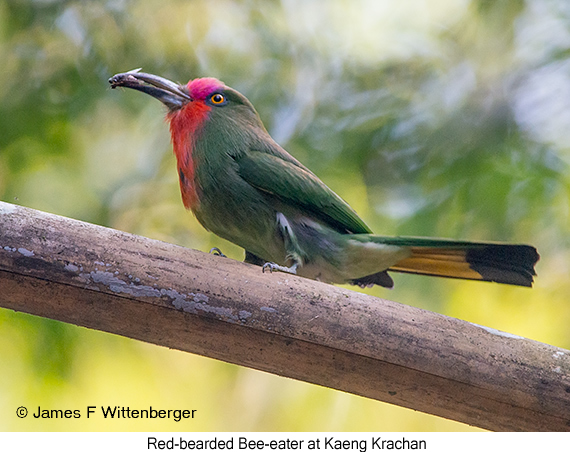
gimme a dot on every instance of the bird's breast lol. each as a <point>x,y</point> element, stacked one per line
<point>188,187</point>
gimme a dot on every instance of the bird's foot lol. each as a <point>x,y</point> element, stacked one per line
<point>273,267</point>
<point>216,252</point>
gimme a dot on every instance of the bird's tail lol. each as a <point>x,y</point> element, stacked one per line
<point>498,262</point>
<point>483,261</point>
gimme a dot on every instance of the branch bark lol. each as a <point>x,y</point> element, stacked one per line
<point>164,294</point>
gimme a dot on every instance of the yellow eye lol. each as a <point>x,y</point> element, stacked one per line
<point>217,99</point>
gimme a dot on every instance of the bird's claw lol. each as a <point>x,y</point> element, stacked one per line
<point>269,266</point>
<point>216,252</point>
<point>273,267</point>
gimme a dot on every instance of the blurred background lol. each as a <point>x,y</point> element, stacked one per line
<point>442,118</point>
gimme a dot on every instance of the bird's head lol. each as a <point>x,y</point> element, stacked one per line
<point>190,105</point>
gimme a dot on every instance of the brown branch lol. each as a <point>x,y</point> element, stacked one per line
<point>156,292</point>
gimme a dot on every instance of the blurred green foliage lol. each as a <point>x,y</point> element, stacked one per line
<point>443,118</point>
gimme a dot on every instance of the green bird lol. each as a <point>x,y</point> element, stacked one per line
<point>241,185</point>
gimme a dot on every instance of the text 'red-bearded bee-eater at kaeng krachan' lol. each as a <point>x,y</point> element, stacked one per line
<point>244,187</point>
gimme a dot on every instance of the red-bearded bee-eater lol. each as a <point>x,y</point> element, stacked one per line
<point>241,185</point>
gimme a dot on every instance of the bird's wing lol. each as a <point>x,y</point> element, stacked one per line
<point>294,184</point>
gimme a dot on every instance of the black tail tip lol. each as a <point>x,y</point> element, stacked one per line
<point>507,264</point>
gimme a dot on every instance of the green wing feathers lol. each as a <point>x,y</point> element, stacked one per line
<point>296,185</point>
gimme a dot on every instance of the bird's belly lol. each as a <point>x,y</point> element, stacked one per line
<point>285,235</point>
<point>253,229</point>
<point>322,270</point>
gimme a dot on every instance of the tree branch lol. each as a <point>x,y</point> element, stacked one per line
<point>164,294</point>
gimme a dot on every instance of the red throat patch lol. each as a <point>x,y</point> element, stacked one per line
<point>185,125</point>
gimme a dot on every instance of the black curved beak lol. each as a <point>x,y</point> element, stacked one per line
<point>171,94</point>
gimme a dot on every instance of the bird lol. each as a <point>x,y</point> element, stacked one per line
<point>244,187</point>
